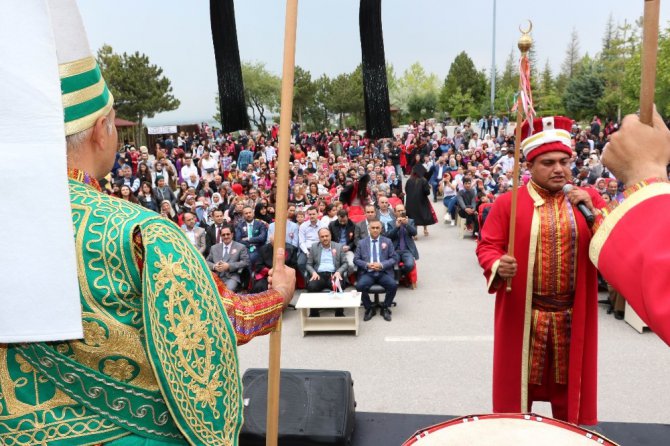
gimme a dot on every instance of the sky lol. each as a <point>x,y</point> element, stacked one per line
<point>176,35</point>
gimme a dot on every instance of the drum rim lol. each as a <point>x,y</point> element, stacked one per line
<point>520,416</point>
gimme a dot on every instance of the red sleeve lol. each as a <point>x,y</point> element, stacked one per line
<point>495,236</point>
<point>632,252</point>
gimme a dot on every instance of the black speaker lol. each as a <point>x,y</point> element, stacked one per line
<point>316,407</point>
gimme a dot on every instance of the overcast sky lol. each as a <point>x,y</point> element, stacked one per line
<point>176,35</point>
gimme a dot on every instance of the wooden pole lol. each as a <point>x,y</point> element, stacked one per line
<point>281,207</point>
<point>649,50</point>
<point>524,44</point>
<point>515,183</point>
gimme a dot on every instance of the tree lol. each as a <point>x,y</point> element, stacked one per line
<point>584,89</point>
<point>507,84</point>
<point>461,105</point>
<point>631,81</point>
<point>317,113</point>
<point>139,88</point>
<point>462,77</point>
<point>571,55</point>
<point>345,95</point>
<point>547,100</point>
<point>303,91</point>
<point>261,92</point>
<point>612,58</point>
<point>415,86</point>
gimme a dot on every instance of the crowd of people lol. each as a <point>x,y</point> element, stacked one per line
<point>340,181</point>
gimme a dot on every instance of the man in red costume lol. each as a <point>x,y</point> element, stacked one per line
<point>630,248</point>
<point>545,346</point>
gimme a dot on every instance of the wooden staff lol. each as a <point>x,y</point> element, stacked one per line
<point>524,44</point>
<point>281,207</point>
<point>649,49</point>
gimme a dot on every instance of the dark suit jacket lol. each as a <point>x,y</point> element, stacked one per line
<point>210,236</point>
<point>394,235</point>
<point>237,259</point>
<point>386,252</point>
<point>350,228</point>
<point>259,236</point>
<point>314,258</point>
<point>361,231</point>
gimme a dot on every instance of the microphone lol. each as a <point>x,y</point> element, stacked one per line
<point>586,212</point>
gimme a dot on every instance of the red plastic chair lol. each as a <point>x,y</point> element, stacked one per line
<point>410,278</point>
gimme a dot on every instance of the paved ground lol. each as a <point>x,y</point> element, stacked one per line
<point>436,355</point>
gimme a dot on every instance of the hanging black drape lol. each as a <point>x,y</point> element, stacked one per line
<point>375,84</point>
<point>228,67</point>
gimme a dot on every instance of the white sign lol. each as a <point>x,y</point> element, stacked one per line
<point>162,129</point>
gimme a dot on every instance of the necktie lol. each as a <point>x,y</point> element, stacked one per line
<point>375,258</point>
<point>225,251</point>
<point>250,233</point>
<point>402,245</point>
<point>218,234</point>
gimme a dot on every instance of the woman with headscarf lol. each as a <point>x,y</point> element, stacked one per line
<point>167,211</point>
<point>261,213</point>
<point>217,203</point>
<point>417,204</point>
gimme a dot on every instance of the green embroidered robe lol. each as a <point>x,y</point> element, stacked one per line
<point>158,359</point>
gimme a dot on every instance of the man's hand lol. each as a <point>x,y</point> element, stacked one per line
<point>315,276</point>
<point>282,278</point>
<point>345,248</point>
<point>469,211</point>
<point>507,267</point>
<point>219,267</point>
<point>637,151</point>
<point>337,276</point>
<point>579,195</point>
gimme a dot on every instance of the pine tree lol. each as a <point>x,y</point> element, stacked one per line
<point>571,55</point>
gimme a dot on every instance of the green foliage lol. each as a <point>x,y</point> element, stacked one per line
<point>140,89</point>
<point>546,97</point>
<point>584,89</point>
<point>317,114</point>
<point>415,92</point>
<point>462,81</point>
<point>261,92</point>
<point>631,81</point>
<point>303,91</point>
<point>345,95</point>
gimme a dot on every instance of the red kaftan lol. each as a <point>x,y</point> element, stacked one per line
<point>513,310</point>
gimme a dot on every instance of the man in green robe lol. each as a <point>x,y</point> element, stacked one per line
<point>158,361</point>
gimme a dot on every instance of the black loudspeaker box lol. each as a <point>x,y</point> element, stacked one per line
<point>316,407</point>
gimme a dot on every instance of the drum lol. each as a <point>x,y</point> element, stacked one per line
<point>506,430</point>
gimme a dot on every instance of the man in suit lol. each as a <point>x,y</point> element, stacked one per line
<point>438,171</point>
<point>228,258</point>
<point>362,227</point>
<point>343,231</point>
<point>251,233</point>
<point>325,262</point>
<point>375,259</point>
<point>385,214</point>
<point>194,233</point>
<point>213,231</point>
<point>402,236</point>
